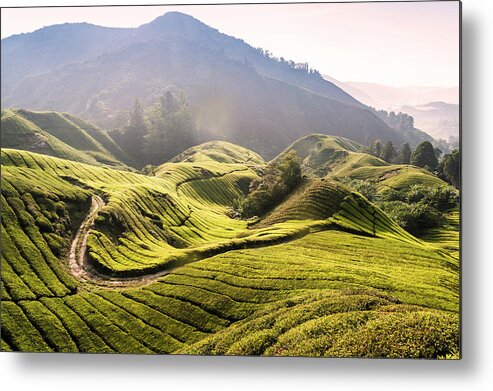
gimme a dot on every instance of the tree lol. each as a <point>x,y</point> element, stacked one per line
<point>450,166</point>
<point>172,128</point>
<point>280,178</point>
<point>388,152</point>
<point>134,132</point>
<point>289,170</point>
<point>405,154</point>
<point>424,156</point>
<point>376,148</point>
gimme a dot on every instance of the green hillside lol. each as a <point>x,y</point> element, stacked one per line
<point>338,158</point>
<point>219,151</point>
<point>61,135</point>
<point>101,260</point>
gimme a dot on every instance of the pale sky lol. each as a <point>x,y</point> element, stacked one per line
<point>397,44</point>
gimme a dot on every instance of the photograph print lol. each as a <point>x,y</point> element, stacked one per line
<point>251,180</point>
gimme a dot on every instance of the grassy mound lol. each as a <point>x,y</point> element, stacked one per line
<point>60,135</point>
<point>220,152</point>
<point>315,199</point>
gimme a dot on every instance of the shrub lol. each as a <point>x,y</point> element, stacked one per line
<point>366,188</point>
<point>280,178</point>
<point>257,203</point>
<point>441,198</point>
<point>412,217</point>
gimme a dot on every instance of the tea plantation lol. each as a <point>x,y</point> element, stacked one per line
<point>96,259</point>
<point>62,135</point>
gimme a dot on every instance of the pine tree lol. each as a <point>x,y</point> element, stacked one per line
<point>172,128</point>
<point>405,154</point>
<point>134,132</point>
<point>388,152</point>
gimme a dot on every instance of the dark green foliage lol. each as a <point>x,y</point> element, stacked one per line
<point>171,129</point>
<point>450,167</point>
<point>419,207</point>
<point>257,203</point>
<point>132,137</point>
<point>404,156</point>
<point>382,150</point>
<point>441,198</point>
<point>367,188</point>
<point>281,177</point>
<point>414,208</point>
<point>376,148</point>
<point>388,152</point>
<point>424,156</point>
<point>412,217</point>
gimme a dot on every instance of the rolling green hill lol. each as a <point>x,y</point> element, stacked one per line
<point>221,152</point>
<point>61,135</point>
<point>101,260</point>
<point>337,157</point>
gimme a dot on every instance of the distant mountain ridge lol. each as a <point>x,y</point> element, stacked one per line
<point>239,93</point>
<point>440,119</point>
<point>388,97</point>
<point>435,109</point>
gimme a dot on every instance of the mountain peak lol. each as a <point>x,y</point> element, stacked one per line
<point>174,20</point>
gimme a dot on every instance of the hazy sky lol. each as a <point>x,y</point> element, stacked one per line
<point>397,44</point>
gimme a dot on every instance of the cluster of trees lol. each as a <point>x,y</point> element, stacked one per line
<point>419,206</point>
<point>425,156</point>
<point>303,67</point>
<point>446,167</point>
<point>279,179</point>
<point>386,151</point>
<point>414,208</point>
<point>157,134</point>
<point>399,121</point>
<point>449,168</point>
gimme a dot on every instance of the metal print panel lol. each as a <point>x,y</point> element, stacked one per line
<point>271,179</point>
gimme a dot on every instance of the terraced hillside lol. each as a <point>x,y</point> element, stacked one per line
<point>220,152</point>
<point>101,260</point>
<point>338,157</point>
<point>59,134</point>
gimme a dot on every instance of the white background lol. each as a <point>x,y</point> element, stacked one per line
<point>21,371</point>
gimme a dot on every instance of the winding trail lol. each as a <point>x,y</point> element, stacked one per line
<point>77,253</point>
<point>79,263</point>
<point>81,268</point>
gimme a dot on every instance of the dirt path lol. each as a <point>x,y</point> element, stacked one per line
<point>78,247</point>
<point>82,269</point>
<point>78,261</point>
